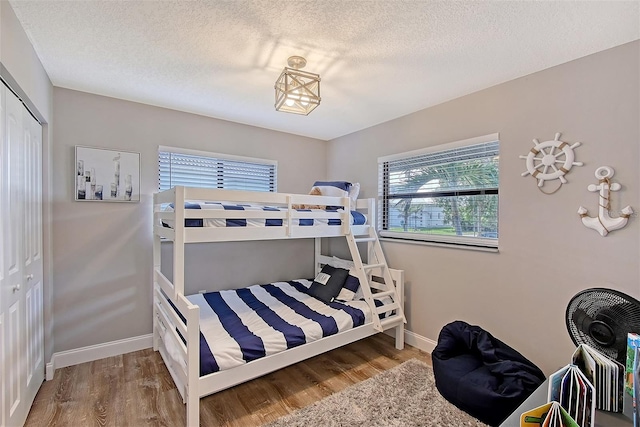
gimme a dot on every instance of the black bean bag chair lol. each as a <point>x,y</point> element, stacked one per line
<point>480,374</point>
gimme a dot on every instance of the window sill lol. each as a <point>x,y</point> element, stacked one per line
<point>440,244</point>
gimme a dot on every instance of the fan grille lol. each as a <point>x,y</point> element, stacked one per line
<point>602,318</point>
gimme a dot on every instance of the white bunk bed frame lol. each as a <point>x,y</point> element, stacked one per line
<point>183,360</point>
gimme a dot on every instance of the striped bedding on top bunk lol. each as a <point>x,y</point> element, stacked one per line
<point>357,218</point>
<point>238,326</point>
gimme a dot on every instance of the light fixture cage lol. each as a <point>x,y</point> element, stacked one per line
<point>297,91</point>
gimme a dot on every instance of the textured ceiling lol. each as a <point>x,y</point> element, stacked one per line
<point>378,60</point>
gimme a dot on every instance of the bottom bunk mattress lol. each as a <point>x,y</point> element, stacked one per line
<point>238,326</point>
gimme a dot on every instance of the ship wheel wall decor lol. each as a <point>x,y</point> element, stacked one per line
<point>550,160</point>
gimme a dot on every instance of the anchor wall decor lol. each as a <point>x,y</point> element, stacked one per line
<point>603,223</point>
<point>544,163</point>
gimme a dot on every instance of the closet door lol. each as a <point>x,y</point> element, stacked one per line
<point>20,260</point>
<point>3,255</point>
<point>12,286</point>
<point>32,254</point>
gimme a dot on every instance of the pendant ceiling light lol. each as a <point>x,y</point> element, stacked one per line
<point>297,91</point>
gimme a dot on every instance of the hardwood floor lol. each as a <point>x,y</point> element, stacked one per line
<point>135,389</point>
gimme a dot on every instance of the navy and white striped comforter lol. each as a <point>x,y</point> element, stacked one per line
<point>357,218</point>
<point>238,326</point>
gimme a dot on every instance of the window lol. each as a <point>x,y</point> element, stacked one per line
<point>210,170</point>
<point>455,186</point>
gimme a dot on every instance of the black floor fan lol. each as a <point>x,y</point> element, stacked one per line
<point>602,318</point>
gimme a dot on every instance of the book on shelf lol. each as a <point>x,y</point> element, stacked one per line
<point>636,387</point>
<point>571,388</point>
<point>551,414</point>
<point>633,342</point>
<point>606,375</point>
<point>591,381</point>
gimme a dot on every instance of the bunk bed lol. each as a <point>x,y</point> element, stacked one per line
<point>186,215</point>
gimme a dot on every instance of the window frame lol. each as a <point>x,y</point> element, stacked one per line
<point>478,243</point>
<point>223,157</point>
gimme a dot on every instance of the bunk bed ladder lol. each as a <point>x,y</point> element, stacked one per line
<point>376,261</point>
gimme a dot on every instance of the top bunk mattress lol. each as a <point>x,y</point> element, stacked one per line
<point>356,218</point>
<point>241,325</point>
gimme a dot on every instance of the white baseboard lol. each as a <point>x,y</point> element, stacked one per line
<point>419,342</point>
<point>115,348</point>
<point>94,352</point>
<point>415,340</point>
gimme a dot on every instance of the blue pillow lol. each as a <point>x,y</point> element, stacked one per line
<point>343,185</point>
<point>350,289</point>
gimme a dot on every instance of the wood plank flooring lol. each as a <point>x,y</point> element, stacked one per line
<point>135,389</point>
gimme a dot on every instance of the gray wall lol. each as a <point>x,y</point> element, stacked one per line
<point>20,61</point>
<point>546,254</point>
<point>233,265</point>
<point>103,251</point>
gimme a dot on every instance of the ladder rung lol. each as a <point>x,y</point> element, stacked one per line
<point>370,266</point>
<point>387,308</point>
<point>384,294</point>
<point>365,239</point>
<point>387,321</point>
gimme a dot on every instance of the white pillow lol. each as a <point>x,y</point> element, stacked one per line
<point>354,190</point>
<point>337,189</point>
<point>342,263</point>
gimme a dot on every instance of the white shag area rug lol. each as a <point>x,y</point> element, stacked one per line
<point>405,396</point>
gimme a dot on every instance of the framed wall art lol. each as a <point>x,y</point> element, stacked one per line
<point>107,175</point>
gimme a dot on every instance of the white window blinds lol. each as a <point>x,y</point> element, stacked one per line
<point>210,170</point>
<point>442,194</point>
